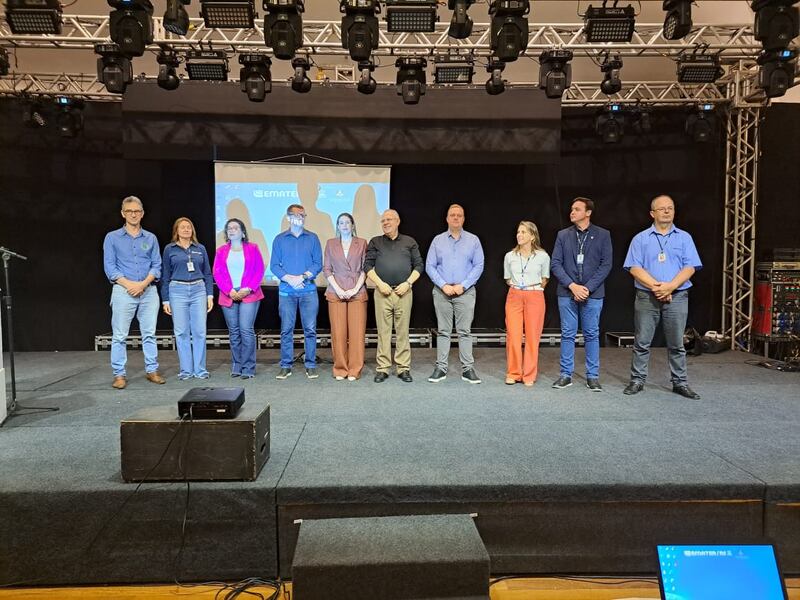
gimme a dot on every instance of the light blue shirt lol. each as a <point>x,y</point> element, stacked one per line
<point>677,248</point>
<point>455,261</point>
<point>295,256</point>
<point>131,257</point>
<point>235,264</point>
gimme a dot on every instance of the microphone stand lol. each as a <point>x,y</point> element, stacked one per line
<point>7,255</point>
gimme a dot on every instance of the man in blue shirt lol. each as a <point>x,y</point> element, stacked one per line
<point>296,261</point>
<point>581,262</point>
<point>454,264</point>
<point>661,259</point>
<point>132,263</point>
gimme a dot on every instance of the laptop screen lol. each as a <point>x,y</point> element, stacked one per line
<point>735,572</point>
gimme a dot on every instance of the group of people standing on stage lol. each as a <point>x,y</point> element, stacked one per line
<point>661,259</point>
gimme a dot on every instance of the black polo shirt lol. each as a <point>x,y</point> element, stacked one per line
<point>393,260</point>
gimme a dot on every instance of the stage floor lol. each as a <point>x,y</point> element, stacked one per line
<point>562,481</point>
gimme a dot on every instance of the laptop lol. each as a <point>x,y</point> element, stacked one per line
<point>720,572</point>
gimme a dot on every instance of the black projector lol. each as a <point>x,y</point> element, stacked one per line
<point>211,403</point>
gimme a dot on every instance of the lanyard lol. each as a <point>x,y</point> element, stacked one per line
<point>666,241</point>
<point>582,242</point>
<point>523,267</point>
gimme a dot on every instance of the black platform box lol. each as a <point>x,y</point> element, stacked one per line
<point>199,450</point>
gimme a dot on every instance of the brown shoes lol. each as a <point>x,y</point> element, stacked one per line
<point>119,382</point>
<point>155,378</point>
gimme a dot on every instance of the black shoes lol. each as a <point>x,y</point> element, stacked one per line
<point>470,376</point>
<point>312,373</point>
<point>634,387</point>
<point>685,391</point>
<point>594,384</point>
<point>283,374</point>
<point>405,376</point>
<point>562,382</point>
<point>380,377</point>
<point>437,375</point>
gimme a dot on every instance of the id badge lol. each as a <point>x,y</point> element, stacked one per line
<point>662,257</point>
<point>190,266</point>
<point>580,258</point>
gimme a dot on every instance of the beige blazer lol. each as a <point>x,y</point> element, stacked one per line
<point>346,269</point>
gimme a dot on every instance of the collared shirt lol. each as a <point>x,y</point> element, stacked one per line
<point>175,266</point>
<point>131,257</point>
<point>455,261</point>
<point>597,259</point>
<point>677,248</point>
<point>526,272</point>
<point>393,259</point>
<point>294,256</point>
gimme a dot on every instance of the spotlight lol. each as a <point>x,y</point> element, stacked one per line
<point>699,68</point>
<point>33,114</point>
<point>283,26</point>
<point>411,15</point>
<point>5,64</point>
<point>609,24</point>
<point>300,82</point>
<point>34,16</point>
<point>131,25</point>
<point>461,23</point>
<point>777,72</point>
<point>453,68</point>
<point>360,27</point>
<point>207,65</point>
<point>698,123</point>
<point>610,124</point>
<point>113,68</point>
<point>176,19</point>
<point>776,23</point>
<point>611,83</point>
<point>167,75</point>
<point>70,116</point>
<point>255,76</point>
<point>366,83</point>
<point>495,84</point>
<point>641,121</point>
<point>228,14</point>
<point>411,78</point>
<point>509,28</point>
<point>678,21</point>
<point>555,72</point>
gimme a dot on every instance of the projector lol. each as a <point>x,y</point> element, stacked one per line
<point>211,403</point>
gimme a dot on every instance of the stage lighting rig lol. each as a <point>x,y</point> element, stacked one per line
<point>33,114</point>
<point>509,28</point>
<point>610,124</point>
<point>461,22</point>
<point>605,24</point>
<point>640,119</point>
<point>113,68</point>
<point>366,82</point>
<point>678,21</point>
<point>555,72</point>
<point>255,76</point>
<point>300,81</point>
<point>411,80</point>
<point>360,27</point>
<point>777,73</point>
<point>411,15</point>
<point>176,19</point>
<point>69,119</point>
<point>698,123</point>
<point>453,68</point>
<point>776,23</point>
<point>5,64</point>
<point>130,25</point>
<point>228,14</point>
<point>611,67</point>
<point>34,16</point>
<point>283,26</point>
<point>168,62</point>
<point>495,84</point>
<point>207,65</point>
<point>699,68</point>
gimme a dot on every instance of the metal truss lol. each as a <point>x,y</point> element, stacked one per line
<point>325,37</point>
<point>76,85</point>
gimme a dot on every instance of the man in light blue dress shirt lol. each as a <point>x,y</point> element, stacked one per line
<point>454,264</point>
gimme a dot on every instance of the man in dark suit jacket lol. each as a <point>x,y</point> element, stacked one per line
<point>581,262</point>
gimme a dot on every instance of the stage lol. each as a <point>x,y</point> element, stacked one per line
<point>562,481</point>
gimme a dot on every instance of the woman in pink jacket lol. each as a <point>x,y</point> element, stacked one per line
<point>238,271</point>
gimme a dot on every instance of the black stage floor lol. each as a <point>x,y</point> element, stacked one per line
<point>565,481</point>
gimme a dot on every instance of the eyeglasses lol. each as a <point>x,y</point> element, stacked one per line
<point>297,216</point>
<point>132,212</point>
<point>665,209</point>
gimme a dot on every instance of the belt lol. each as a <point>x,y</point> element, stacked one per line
<point>192,282</point>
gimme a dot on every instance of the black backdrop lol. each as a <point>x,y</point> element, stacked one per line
<point>59,197</point>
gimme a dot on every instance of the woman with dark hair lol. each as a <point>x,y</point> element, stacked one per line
<point>238,271</point>
<point>187,294</point>
<point>343,266</point>
<point>526,270</point>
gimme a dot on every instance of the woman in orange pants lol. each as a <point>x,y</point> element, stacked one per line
<point>526,270</point>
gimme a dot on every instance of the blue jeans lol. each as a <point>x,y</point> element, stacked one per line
<point>241,318</point>
<point>189,304</point>
<point>287,308</point>
<point>589,314</point>
<point>647,313</point>
<point>124,308</point>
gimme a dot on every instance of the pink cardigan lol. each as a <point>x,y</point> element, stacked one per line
<point>251,278</point>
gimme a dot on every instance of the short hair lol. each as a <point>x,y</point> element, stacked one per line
<point>130,199</point>
<point>352,222</point>
<point>241,226</point>
<point>589,204</point>
<point>175,225</point>
<point>661,196</point>
<point>453,205</point>
<point>291,206</point>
